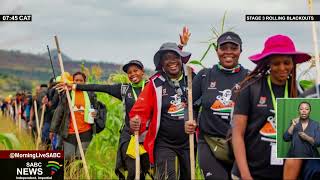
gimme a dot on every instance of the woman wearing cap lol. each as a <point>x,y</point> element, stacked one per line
<point>160,110</point>
<point>254,127</point>
<point>212,90</point>
<point>127,93</point>
<point>62,123</point>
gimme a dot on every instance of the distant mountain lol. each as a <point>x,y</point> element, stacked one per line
<point>29,66</point>
<point>54,55</point>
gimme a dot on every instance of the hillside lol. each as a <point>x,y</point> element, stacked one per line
<point>22,71</point>
<point>37,67</point>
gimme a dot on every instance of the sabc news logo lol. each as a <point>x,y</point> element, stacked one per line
<point>54,167</point>
<point>36,168</point>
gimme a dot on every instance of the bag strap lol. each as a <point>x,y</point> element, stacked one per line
<point>255,90</point>
<point>124,89</point>
<point>204,81</point>
<point>205,78</point>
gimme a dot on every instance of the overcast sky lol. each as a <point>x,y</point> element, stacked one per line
<point>120,30</point>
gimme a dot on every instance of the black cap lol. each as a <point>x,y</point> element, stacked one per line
<point>132,62</point>
<point>229,37</point>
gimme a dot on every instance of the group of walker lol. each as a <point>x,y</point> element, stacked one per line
<point>234,112</point>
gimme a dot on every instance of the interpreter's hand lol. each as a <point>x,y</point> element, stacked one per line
<point>295,121</point>
<point>190,126</point>
<point>135,123</point>
<point>61,87</point>
<point>304,136</point>
<point>184,37</point>
<point>51,135</point>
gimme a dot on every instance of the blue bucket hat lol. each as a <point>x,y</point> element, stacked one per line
<point>169,46</point>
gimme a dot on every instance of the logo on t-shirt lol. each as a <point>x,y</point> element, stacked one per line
<point>164,92</point>
<point>176,108</point>
<point>223,104</point>
<point>129,95</point>
<point>269,130</point>
<point>212,85</point>
<point>262,102</point>
<point>78,109</point>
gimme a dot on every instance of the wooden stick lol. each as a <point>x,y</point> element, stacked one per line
<point>75,126</point>
<point>16,112</point>
<point>19,116</point>
<point>10,109</point>
<point>41,124</point>
<point>190,115</point>
<point>36,115</point>
<point>136,136</point>
<point>315,45</point>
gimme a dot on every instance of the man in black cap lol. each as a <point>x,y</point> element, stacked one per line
<point>212,89</point>
<point>229,40</point>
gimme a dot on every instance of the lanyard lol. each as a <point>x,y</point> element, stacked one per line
<point>272,94</point>
<point>233,70</point>
<point>134,92</point>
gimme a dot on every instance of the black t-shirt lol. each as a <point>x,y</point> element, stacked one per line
<point>171,132</point>
<point>255,102</point>
<point>214,89</point>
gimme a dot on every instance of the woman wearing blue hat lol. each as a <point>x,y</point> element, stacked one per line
<point>160,109</point>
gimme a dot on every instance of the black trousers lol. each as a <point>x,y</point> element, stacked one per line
<point>130,163</point>
<point>165,163</point>
<point>70,145</point>
<point>211,167</point>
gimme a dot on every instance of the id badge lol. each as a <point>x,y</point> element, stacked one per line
<point>273,158</point>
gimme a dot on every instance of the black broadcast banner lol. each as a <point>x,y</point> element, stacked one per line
<point>16,17</point>
<point>259,17</point>
<point>31,164</point>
